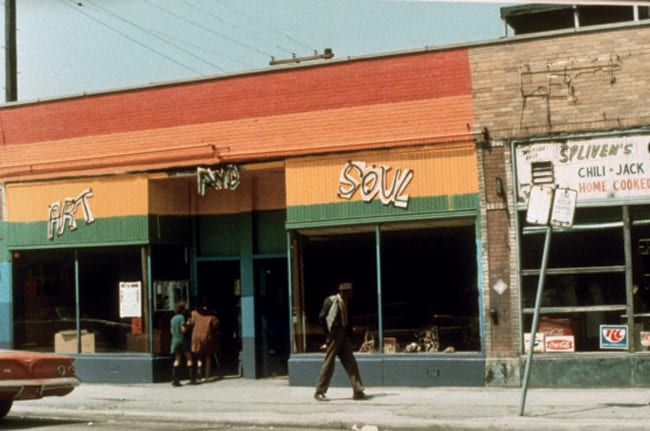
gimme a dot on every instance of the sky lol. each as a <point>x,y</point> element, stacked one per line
<point>69,47</point>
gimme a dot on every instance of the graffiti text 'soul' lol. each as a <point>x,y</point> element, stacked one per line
<point>60,215</point>
<point>373,181</point>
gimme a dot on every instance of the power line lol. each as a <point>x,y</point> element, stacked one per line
<point>265,25</point>
<point>209,30</point>
<point>180,48</point>
<point>217,17</point>
<point>202,48</point>
<point>79,10</point>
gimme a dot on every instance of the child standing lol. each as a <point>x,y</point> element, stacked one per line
<point>179,344</point>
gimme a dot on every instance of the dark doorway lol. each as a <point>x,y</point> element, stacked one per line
<point>272,316</point>
<point>219,284</point>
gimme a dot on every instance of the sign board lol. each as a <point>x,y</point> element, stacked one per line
<point>130,299</point>
<point>564,207</point>
<point>600,169</point>
<point>613,337</point>
<point>539,205</point>
<point>559,343</point>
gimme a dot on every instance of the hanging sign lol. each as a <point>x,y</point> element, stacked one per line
<point>564,207</point>
<point>539,205</point>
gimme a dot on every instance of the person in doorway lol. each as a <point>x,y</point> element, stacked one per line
<point>205,339</point>
<point>179,344</point>
<point>334,318</point>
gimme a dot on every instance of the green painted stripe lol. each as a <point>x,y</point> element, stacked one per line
<point>373,212</point>
<point>106,231</point>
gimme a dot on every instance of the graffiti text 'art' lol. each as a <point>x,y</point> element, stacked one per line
<point>60,215</point>
<point>373,181</point>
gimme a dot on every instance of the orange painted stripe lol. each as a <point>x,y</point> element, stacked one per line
<point>438,170</point>
<point>111,197</point>
<point>343,129</point>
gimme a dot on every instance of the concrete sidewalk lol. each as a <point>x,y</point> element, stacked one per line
<point>272,402</point>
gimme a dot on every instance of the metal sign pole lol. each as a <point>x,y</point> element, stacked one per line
<point>533,330</point>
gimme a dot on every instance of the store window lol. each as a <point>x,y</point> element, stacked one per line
<point>429,290</point>
<point>102,304</point>
<point>43,298</point>
<point>47,297</point>
<point>586,279</point>
<point>640,252</point>
<point>415,286</point>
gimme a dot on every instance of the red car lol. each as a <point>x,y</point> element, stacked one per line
<point>31,375</point>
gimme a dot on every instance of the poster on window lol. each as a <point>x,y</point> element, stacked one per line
<point>130,299</point>
<point>606,169</point>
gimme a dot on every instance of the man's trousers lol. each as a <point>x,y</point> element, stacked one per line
<point>339,345</point>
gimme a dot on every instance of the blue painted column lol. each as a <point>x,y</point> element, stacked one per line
<point>6,292</point>
<point>6,306</point>
<point>249,338</point>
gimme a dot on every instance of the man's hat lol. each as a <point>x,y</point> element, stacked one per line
<point>345,286</point>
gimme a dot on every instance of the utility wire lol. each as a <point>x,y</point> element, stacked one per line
<point>265,25</point>
<point>79,10</point>
<point>202,48</point>
<point>207,12</point>
<point>180,48</point>
<point>208,29</point>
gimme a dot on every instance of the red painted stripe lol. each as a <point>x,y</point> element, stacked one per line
<point>347,84</point>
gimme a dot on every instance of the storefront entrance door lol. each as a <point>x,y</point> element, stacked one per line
<point>273,317</point>
<point>219,283</point>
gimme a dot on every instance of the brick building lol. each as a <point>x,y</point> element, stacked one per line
<point>407,174</point>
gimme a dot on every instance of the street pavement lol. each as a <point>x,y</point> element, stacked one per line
<point>272,403</point>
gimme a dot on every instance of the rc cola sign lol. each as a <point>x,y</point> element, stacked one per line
<point>613,337</point>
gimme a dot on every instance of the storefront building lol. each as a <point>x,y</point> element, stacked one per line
<point>407,174</point>
<point>563,116</point>
<point>259,192</point>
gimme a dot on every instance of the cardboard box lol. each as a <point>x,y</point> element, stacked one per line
<point>66,341</point>
<point>539,342</point>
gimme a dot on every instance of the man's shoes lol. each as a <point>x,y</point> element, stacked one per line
<point>319,396</point>
<point>360,396</point>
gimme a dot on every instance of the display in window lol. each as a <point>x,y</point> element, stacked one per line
<point>390,345</point>
<point>369,345</point>
<point>169,293</point>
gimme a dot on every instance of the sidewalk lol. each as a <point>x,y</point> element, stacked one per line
<point>272,402</point>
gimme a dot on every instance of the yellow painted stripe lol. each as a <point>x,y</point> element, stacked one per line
<point>111,197</point>
<point>448,169</point>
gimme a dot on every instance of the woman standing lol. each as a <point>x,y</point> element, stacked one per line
<point>205,338</point>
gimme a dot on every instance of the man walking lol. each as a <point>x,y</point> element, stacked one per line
<point>334,318</point>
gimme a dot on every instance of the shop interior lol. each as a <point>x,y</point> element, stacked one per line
<point>423,295</point>
<point>585,282</point>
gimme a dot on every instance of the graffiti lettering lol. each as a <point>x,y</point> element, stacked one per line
<point>227,178</point>
<point>372,181</point>
<point>61,215</point>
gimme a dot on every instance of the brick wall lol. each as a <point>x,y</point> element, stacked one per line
<point>579,81</point>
